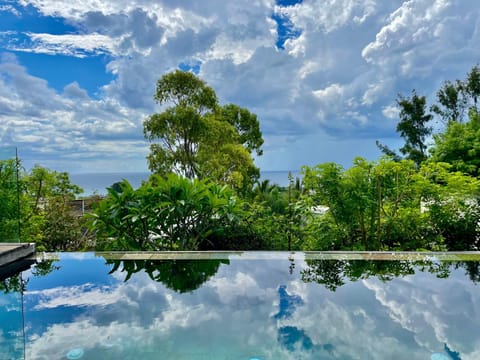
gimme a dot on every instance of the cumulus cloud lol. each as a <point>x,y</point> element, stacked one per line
<point>56,128</point>
<point>415,36</point>
<point>69,45</point>
<point>73,90</point>
<point>391,111</point>
<point>329,15</point>
<point>336,76</point>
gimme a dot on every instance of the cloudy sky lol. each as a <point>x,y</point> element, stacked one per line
<point>77,77</point>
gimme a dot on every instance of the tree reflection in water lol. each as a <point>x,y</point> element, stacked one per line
<point>334,273</point>
<point>178,275</point>
<point>12,284</point>
<point>15,283</point>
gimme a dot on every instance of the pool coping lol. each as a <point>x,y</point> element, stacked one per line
<point>15,257</point>
<point>283,255</point>
<point>12,252</point>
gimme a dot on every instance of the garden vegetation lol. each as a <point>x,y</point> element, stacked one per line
<point>204,192</point>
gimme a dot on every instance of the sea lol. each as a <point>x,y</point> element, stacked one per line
<point>97,183</point>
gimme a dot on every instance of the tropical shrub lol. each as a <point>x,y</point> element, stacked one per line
<point>172,213</point>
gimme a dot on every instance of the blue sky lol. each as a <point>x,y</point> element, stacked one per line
<point>77,77</point>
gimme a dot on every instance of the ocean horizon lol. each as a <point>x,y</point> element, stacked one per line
<point>97,183</point>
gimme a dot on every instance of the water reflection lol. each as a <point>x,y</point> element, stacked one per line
<point>12,288</point>
<point>244,308</point>
<point>334,273</point>
<point>178,275</point>
<point>11,330</point>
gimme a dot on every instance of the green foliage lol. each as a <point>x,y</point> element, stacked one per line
<point>246,125</point>
<point>40,204</point>
<point>413,127</point>
<point>12,284</point>
<point>459,145</point>
<point>48,218</point>
<point>472,86</point>
<point>197,138</point>
<point>452,202</point>
<point>9,205</point>
<point>392,205</point>
<point>349,197</point>
<point>278,217</point>
<point>185,90</point>
<point>225,160</point>
<point>451,102</point>
<point>172,213</point>
<point>454,97</point>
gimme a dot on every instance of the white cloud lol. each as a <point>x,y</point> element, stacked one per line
<point>417,32</point>
<point>69,45</point>
<point>390,111</point>
<point>376,91</point>
<point>84,295</point>
<point>330,94</point>
<point>10,9</point>
<point>336,80</point>
<point>44,124</point>
<point>329,15</point>
<point>242,285</point>
<point>73,90</point>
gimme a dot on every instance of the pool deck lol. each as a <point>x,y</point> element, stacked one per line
<point>13,252</point>
<point>15,257</point>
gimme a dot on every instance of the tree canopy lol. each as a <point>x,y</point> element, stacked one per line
<point>35,206</point>
<point>459,145</point>
<point>9,201</point>
<point>413,128</point>
<point>196,137</point>
<point>202,195</point>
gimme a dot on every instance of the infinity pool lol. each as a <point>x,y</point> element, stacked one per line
<point>242,306</point>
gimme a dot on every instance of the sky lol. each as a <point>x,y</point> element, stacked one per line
<point>77,77</point>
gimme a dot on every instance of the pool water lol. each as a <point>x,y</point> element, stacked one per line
<point>242,306</point>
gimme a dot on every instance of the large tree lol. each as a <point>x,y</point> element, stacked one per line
<point>455,97</point>
<point>451,102</point>
<point>36,206</point>
<point>413,126</point>
<point>177,132</point>
<point>196,137</point>
<point>472,87</point>
<point>47,215</point>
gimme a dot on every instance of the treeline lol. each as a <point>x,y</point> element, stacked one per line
<point>205,192</point>
<point>35,206</point>
<point>423,196</point>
